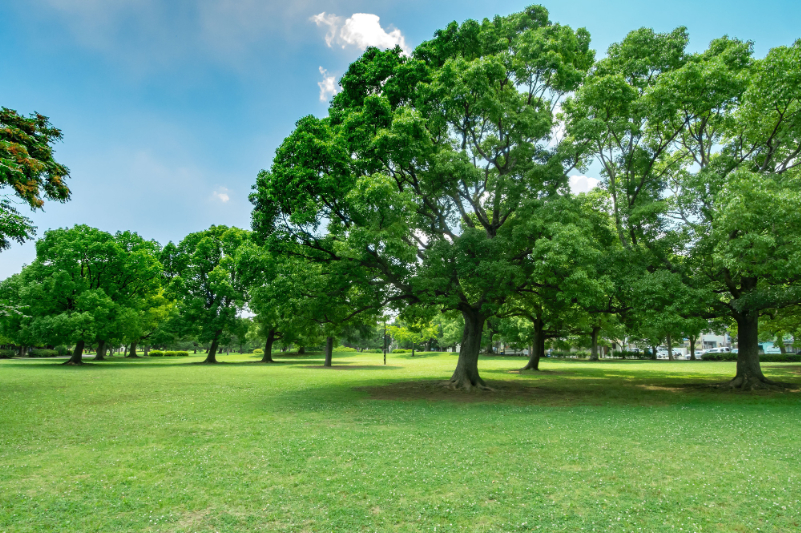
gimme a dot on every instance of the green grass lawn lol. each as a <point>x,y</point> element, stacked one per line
<point>167,445</point>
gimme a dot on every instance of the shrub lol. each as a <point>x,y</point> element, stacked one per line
<point>155,353</point>
<point>344,349</point>
<point>181,353</point>
<point>62,350</point>
<point>721,357</point>
<point>627,354</point>
<point>42,352</point>
<point>401,350</point>
<point>375,350</point>
<point>7,353</point>
<point>258,351</point>
<point>780,358</point>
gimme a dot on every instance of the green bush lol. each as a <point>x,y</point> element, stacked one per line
<point>720,357</point>
<point>375,350</point>
<point>401,350</point>
<point>258,351</point>
<point>344,349</point>
<point>42,352</point>
<point>626,354</point>
<point>766,358</point>
<point>167,353</point>
<point>7,353</point>
<point>62,350</point>
<point>780,358</point>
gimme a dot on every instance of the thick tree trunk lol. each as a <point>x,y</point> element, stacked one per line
<point>212,357</point>
<point>749,373</point>
<point>100,355</point>
<point>132,351</point>
<point>466,374</point>
<point>692,348</point>
<point>670,348</point>
<point>268,348</point>
<point>146,350</point>
<point>537,346</point>
<point>301,350</point>
<point>329,350</point>
<point>780,344</point>
<point>594,335</point>
<point>77,354</point>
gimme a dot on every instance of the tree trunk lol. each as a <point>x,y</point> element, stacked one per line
<point>653,352</point>
<point>146,350</point>
<point>537,346</point>
<point>100,355</point>
<point>301,350</point>
<point>749,373</point>
<point>77,354</point>
<point>329,350</point>
<point>594,352</point>
<point>692,348</point>
<point>132,351</point>
<point>780,343</point>
<point>412,349</point>
<point>268,348</point>
<point>466,374</point>
<point>670,347</point>
<point>125,350</point>
<point>212,357</point>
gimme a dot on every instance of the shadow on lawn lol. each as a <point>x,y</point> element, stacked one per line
<point>554,389</point>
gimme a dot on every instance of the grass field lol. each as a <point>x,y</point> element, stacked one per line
<point>167,445</point>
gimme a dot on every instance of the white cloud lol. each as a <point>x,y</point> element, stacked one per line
<point>328,87</point>
<point>360,30</point>
<point>579,184</point>
<point>221,194</point>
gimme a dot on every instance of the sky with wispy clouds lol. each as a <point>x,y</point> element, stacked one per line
<point>170,108</point>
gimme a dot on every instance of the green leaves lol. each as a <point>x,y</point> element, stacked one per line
<point>208,282</point>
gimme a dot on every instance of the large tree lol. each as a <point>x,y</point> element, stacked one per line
<point>207,284</point>
<point>430,170</point>
<point>80,284</point>
<point>700,154</point>
<point>28,168</point>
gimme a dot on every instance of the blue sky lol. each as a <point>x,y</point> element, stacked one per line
<point>170,108</point>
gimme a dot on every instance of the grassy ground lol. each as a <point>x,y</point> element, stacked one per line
<point>167,445</point>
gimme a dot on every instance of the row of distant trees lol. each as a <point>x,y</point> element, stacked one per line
<point>438,186</point>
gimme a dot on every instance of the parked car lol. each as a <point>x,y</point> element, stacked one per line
<point>721,349</point>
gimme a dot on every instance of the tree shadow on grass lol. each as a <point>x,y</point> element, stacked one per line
<point>561,392</point>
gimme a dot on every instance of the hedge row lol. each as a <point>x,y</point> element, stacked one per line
<point>8,353</point>
<point>162,353</point>
<point>577,355</point>
<point>766,358</point>
<point>43,352</point>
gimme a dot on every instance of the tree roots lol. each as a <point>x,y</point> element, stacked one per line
<point>754,383</point>
<point>466,384</point>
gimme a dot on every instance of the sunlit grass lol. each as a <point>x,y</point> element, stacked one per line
<point>162,444</point>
